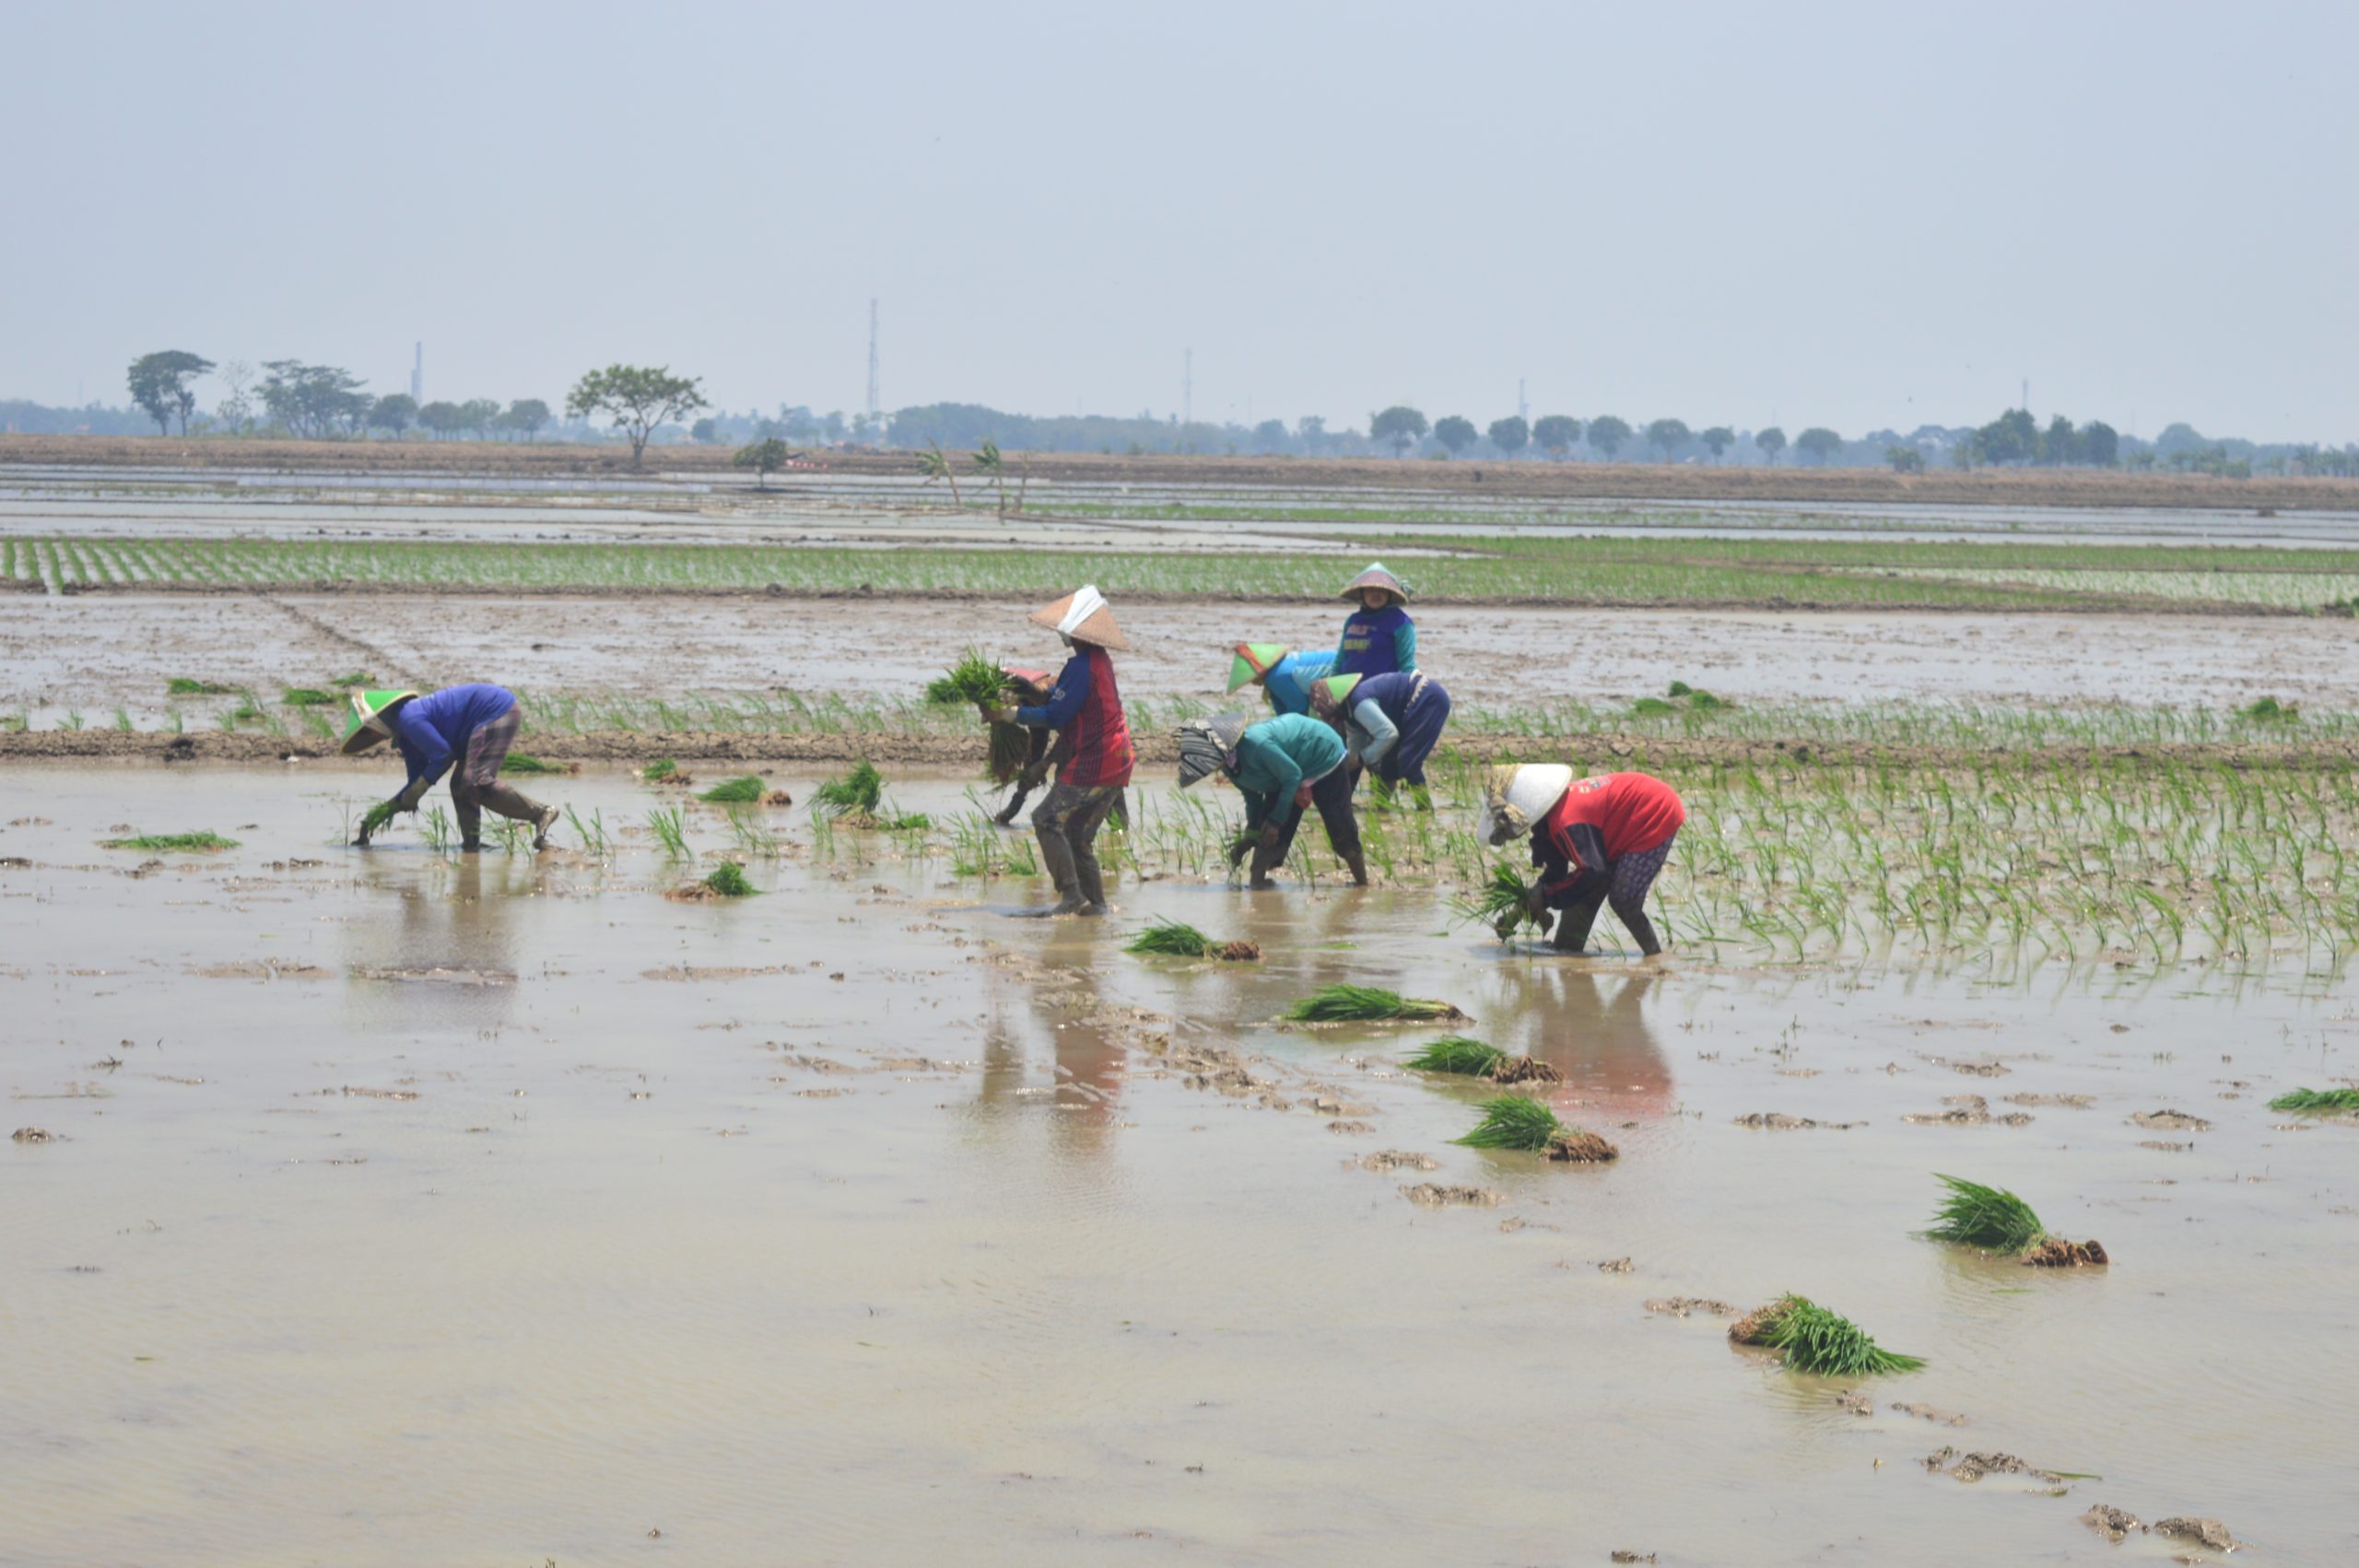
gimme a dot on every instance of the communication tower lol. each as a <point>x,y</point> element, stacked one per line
<point>417,377</point>
<point>1187,387</point>
<point>875,399</point>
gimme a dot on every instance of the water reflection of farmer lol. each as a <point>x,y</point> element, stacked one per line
<point>1391,725</point>
<point>466,731</point>
<point>1593,1030</point>
<point>1280,766</point>
<point>1596,840</point>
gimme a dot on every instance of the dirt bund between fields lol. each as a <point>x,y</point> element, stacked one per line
<point>1602,751</point>
<point>1532,477</point>
<point>2077,605</point>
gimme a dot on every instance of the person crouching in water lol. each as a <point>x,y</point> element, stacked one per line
<point>1596,840</point>
<point>1085,709</point>
<point>1279,765</point>
<point>466,730</point>
<point>1284,675</point>
<point>1391,725</point>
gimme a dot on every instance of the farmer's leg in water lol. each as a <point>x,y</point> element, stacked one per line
<point>1573,927</point>
<point>1633,875</point>
<point>1081,836</point>
<point>1274,843</point>
<point>1333,796</point>
<point>475,784</point>
<point>1070,817</point>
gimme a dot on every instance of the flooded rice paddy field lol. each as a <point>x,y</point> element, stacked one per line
<point>92,655</point>
<point>406,1206</point>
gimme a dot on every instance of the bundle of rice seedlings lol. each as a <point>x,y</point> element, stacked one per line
<point>728,880</point>
<point>517,762</point>
<point>1498,903</point>
<point>2327,1101</point>
<point>361,678</point>
<point>1171,939</point>
<point>1514,1121</point>
<point>743,789</point>
<point>1814,1339</point>
<point>203,839</point>
<point>981,682</point>
<point>2268,710</point>
<point>1365,1004</point>
<point>377,816</point>
<point>1999,1222</point>
<point>857,794</point>
<point>662,768</point>
<point>305,697</point>
<point>182,686</point>
<point>1458,1054</point>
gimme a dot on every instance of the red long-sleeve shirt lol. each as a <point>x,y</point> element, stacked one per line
<point>1601,819</point>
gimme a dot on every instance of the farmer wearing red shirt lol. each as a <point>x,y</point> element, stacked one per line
<point>1085,709</point>
<point>1596,840</point>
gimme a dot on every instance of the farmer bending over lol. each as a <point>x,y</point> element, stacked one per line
<point>1284,675</point>
<point>466,730</point>
<point>1279,765</point>
<point>1391,724</point>
<point>1596,840</point>
<point>1085,709</point>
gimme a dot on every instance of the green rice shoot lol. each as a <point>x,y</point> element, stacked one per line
<point>728,880</point>
<point>1171,939</point>
<point>181,843</point>
<point>183,685</point>
<point>743,789</point>
<point>2326,1100</point>
<point>1365,1004</point>
<point>1987,1217</point>
<point>350,678</point>
<point>1499,903</point>
<point>306,697</point>
<point>973,679</point>
<point>660,769</point>
<point>517,762</point>
<point>1813,1340</point>
<point>857,794</point>
<point>377,816</point>
<point>1514,1121</point>
<point>1458,1054</point>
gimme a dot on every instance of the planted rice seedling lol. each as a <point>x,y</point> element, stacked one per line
<point>743,789</point>
<point>1173,939</point>
<point>1813,1340</point>
<point>174,843</point>
<point>670,830</point>
<point>593,833</point>
<point>184,685</point>
<point>728,880</point>
<point>2327,1101</point>
<point>1365,1004</point>
<point>351,678</point>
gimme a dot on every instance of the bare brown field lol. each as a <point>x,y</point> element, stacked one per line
<point>1538,480</point>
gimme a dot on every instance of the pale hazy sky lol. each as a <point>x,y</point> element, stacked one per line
<point>1853,215</point>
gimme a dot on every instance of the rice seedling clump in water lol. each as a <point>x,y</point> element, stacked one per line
<point>1171,939</point>
<point>981,682</point>
<point>2326,1100</point>
<point>182,685</point>
<point>305,697</point>
<point>1514,1121</point>
<point>1811,1338</point>
<point>1976,1215</point>
<point>185,842</point>
<point>1457,1053</point>
<point>1365,1004</point>
<point>1499,903</point>
<point>856,794</point>
<point>662,768</point>
<point>728,879</point>
<point>743,789</point>
<point>517,762</point>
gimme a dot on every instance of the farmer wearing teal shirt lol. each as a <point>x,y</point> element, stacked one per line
<point>1279,765</point>
<point>1284,675</point>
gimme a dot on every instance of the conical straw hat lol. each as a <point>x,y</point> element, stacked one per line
<point>1375,577</point>
<point>365,725</point>
<point>1337,686</point>
<point>1515,796</point>
<point>1085,617</point>
<point>1254,660</point>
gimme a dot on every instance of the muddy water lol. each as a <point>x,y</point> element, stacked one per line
<point>636,1259</point>
<point>96,653</point>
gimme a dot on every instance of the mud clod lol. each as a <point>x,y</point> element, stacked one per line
<point>1622,1556</point>
<point>1779,1121</point>
<point>1571,1146</point>
<point>1684,1306</point>
<point>2203,1532</point>
<point>1240,952</point>
<point>1927,1412</point>
<point>2112,1522</point>
<point>1397,1160</point>
<point>2055,1252</point>
<point>33,1135</point>
<point>2066,1102</point>
<point>1973,1467</point>
<point>1966,1110</point>
<point>1858,1404</point>
<point>1524,1070</point>
<point>1435,1195</point>
<point>2170,1121</point>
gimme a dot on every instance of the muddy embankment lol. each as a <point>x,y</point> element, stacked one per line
<point>1537,479</point>
<point>911,749</point>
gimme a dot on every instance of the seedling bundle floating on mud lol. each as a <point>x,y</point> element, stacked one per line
<point>1999,1222</point>
<point>1520,1122</point>
<point>1171,939</point>
<point>743,790</point>
<point>1811,1338</point>
<point>1472,1059</point>
<point>1502,903</point>
<point>981,682</point>
<point>1366,1005</point>
<point>2325,1102</point>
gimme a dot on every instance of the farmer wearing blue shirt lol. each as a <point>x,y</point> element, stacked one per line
<point>1284,675</point>
<point>1391,724</point>
<point>1378,637</point>
<point>465,731</point>
<point>1279,765</point>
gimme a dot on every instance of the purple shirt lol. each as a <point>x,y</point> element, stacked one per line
<point>432,731</point>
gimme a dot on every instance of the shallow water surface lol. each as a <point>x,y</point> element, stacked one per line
<point>407,1208</point>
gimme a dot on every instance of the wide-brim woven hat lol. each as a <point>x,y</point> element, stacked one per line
<point>1376,576</point>
<point>365,725</point>
<point>1516,795</point>
<point>1085,617</point>
<point>1253,661</point>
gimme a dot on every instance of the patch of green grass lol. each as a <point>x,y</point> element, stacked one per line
<point>306,697</point>
<point>1172,939</point>
<point>743,789</point>
<point>2328,1100</point>
<point>1987,1217</point>
<point>1365,1004</point>
<point>1456,1053</point>
<point>1514,1121</point>
<point>728,879</point>
<point>183,685</point>
<point>1813,1340</point>
<point>160,843</point>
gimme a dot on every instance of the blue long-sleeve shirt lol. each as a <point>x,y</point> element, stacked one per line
<point>1065,698</point>
<point>1288,685</point>
<point>1275,757</point>
<point>432,731</point>
<point>1376,642</point>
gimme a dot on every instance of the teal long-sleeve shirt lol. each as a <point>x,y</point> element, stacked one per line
<point>1274,757</point>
